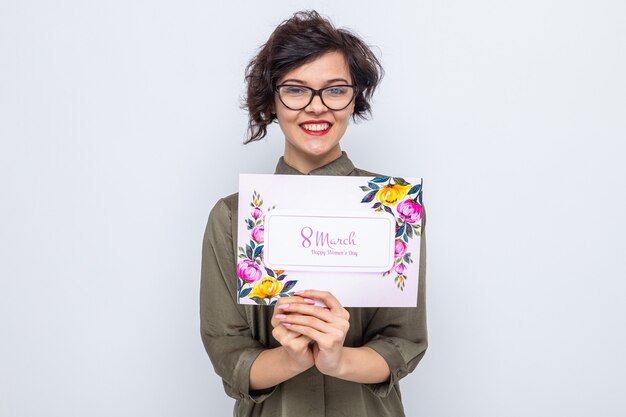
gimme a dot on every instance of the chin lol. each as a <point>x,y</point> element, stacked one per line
<point>319,152</point>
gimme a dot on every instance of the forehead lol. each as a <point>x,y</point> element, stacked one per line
<point>329,66</point>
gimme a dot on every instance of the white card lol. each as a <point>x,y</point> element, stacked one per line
<point>357,237</point>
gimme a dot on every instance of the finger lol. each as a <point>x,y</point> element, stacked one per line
<point>336,329</point>
<point>283,333</point>
<point>309,310</point>
<point>289,300</point>
<point>313,334</point>
<point>285,301</point>
<point>300,343</point>
<point>327,298</point>
<point>285,336</point>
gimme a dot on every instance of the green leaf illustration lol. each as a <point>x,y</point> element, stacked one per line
<point>400,181</point>
<point>380,179</point>
<point>258,300</point>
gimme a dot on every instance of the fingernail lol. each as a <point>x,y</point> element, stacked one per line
<point>280,316</point>
<point>283,306</point>
<point>299,292</point>
<point>309,301</point>
<point>286,324</point>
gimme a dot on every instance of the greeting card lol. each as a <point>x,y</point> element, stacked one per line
<point>357,237</point>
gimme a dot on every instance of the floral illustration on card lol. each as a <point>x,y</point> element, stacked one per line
<point>404,202</point>
<point>254,280</point>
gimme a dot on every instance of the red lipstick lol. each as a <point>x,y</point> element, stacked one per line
<point>316,132</point>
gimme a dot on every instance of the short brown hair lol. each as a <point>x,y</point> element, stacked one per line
<point>296,41</point>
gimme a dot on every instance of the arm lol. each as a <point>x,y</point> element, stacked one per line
<point>361,364</point>
<point>225,331</point>
<point>265,373</point>
<point>293,357</point>
<point>244,364</point>
<point>400,335</point>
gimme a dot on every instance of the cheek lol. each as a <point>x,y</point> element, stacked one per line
<point>285,116</point>
<point>289,121</point>
<point>347,113</point>
<point>344,117</point>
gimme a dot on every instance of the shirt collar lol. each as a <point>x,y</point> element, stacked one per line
<point>340,166</point>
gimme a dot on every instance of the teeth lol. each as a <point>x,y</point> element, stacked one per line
<point>316,127</point>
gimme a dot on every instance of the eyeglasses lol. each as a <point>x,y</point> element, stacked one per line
<point>297,97</point>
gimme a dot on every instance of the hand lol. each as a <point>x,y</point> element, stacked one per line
<point>297,346</point>
<point>327,327</point>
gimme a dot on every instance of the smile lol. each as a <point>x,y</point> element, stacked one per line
<point>316,128</point>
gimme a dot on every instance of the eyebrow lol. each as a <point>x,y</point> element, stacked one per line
<point>294,80</point>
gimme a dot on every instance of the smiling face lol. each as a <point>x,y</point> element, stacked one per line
<point>312,134</point>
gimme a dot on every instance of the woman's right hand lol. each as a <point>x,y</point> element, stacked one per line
<point>298,347</point>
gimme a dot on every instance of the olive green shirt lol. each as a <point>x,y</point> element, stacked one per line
<point>234,335</point>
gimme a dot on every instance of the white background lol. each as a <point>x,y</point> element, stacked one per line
<point>120,128</point>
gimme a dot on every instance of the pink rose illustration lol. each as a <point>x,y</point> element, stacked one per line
<point>248,270</point>
<point>400,268</point>
<point>409,211</point>
<point>257,233</point>
<point>257,212</point>
<point>400,248</point>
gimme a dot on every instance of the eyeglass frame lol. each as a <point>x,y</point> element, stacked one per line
<point>317,93</point>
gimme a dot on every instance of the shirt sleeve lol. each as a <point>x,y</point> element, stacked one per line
<point>225,331</point>
<point>399,335</point>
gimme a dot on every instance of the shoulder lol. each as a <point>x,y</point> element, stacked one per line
<point>225,207</point>
<point>231,202</point>
<point>221,215</point>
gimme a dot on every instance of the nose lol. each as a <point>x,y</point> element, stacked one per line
<point>316,106</point>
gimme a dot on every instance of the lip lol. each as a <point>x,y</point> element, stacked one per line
<point>318,132</point>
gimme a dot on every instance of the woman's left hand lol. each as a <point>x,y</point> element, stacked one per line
<point>326,326</point>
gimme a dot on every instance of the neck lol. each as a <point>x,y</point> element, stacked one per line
<point>308,163</point>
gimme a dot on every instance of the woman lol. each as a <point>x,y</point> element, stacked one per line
<point>299,359</point>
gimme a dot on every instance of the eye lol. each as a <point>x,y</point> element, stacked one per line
<point>337,91</point>
<point>294,90</point>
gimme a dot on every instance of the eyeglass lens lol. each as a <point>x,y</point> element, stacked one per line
<point>298,97</point>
